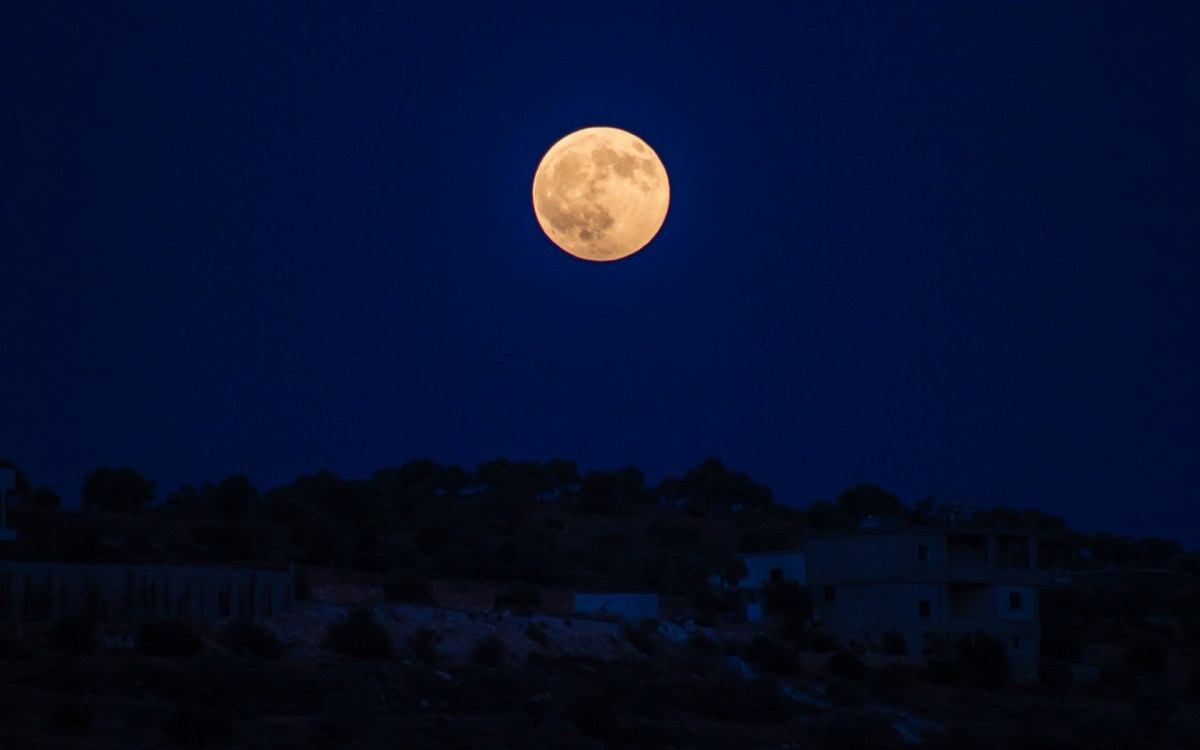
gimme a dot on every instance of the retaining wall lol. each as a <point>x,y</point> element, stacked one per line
<point>39,592</point>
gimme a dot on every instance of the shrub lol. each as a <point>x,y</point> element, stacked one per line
<point>195,728</point>
<point>860,731</point>
<point>671,533</point>
<point>401,586</point>
<point>168,638</point>
<point>726,696</point>
<point>893,643</point>
<point>1061,644</point>
<point>489,652</point>
<point>595,711</point>
<point>245,637</point>
<point>74,634</point>
<point>1116,677</point>
<point>69,717</point>
<point>708,603</point>
<point>844,692</point>
<point>424,643</point>
<point>359,636</point>
<point>985,659</point>
<point>641,637</point>
<point>1054,675</point>
<point>821,642</point>
<point>702,645</point>
<point>943,671</point>
<point>771,656</point>
<point>517,596</point>
<point>787,598</point>
<point>1147,654</point>
<point>846,664</point>
<point>1194,681</point>
<point>537,635</point>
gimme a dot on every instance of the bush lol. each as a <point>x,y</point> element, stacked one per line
<point>845,692</point>
<point>642,638</point>
<point>424,643</point>
<point>197,728</point>
<point>69,717</point>
<point>787,599</point>
<point>726,696</point>
<point>1055,676</point>
<point>168,638</point>
<point>517,596</point>
<point>359,636</point>
<point>860,731</point>
<point>74,634</point>
<point>537,635</point>
<point>1147,654</point>
<point>1194,681</point>
<point>985,659</point>
<point>893,643</point>
<point>943,671</point>
<point>671,533</point>
<point>1116,677</point>
<point>245,637</point>
<point>773,657</point>
<point>845,664</point>
<point>400,586</point>
<point>1061,644</point>
<point>489,652</point>
<point>821,642</point>
<point>701,645</point>
<point>708,603</point>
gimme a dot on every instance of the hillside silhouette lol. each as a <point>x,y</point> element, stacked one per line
<point>433,606</point>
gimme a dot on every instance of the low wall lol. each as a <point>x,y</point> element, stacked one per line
<point>39,592</point>
<point>625,606</point>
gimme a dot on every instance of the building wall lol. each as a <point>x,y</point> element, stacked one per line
<point>760,568</point>
<point>863,612</point>
<point>870,556</point>
<point>32,592</point>
<point>625,606</point>
<point>867,582</point>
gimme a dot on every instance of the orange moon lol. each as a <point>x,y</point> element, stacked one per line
<point>601,194</point>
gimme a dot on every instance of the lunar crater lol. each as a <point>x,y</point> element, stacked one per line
<point>601,193</point>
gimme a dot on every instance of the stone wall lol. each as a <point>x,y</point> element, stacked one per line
<point>40,592</point>
<point>624,606</point>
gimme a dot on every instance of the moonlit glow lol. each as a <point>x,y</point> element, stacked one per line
<point>601,194</point>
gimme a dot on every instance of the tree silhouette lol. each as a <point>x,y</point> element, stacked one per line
<point>863,500</point>
<point>611,491</point>
<point>234,497</point>
<point>711,487</point>
<point>26,493</point>
<point>116,490</point>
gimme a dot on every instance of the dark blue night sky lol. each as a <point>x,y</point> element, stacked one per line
<point>949,248</point>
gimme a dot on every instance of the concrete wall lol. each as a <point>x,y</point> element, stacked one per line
<point>792,566</point>
<point>862,612</point>
<point>32,592</point>
<point>625,606</point>
<point>876,555</point>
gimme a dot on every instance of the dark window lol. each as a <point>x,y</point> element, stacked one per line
<point>776,575</point>
<point>922,552</point>
<point>923,608</point>
<point>830,594</point>
<point>1016,641</point>
<point>1014,600</point>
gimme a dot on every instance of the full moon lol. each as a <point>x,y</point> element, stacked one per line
<point>601,194</point>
